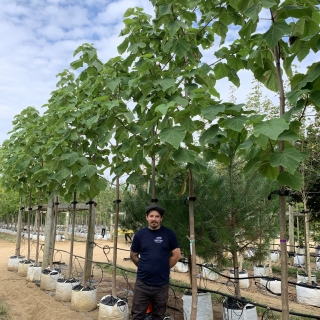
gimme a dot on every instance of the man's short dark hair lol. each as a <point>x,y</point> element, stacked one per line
<point>155,207</point>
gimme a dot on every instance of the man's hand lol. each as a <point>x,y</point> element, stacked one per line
<point>134,256</point>
<point>175,256</point>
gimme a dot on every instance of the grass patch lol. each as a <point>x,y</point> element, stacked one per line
<point>131,273</point>
<point>217,297</point>
<point>8,237</point>
<point>4,312</point>
<point>270,314</point>
<point>293,271</point>
<point>177,284</point>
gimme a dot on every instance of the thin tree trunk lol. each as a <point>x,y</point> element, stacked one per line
<point>306,238</point>
<point>19,230</point>
<point>74,204</point>
<point>236,274</point>
<point>282,200</point>
<point>194,301</point>
<point>115,239</point>
<point>49,229</point>
<point>29,240</point>
<point>291,228</point>
<point>54,233</point>
<point>89,245</point>
<point>38,215</point>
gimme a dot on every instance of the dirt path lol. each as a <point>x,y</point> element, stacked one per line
<point>25,300</point>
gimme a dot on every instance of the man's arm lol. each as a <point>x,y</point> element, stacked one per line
<point>134,256</point>
<point>175,256</point>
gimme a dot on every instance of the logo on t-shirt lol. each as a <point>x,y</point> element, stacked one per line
<point>158,240</point>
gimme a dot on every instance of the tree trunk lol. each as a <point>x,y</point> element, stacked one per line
<point>19,230</point>
<point>29,240</point>
<point>194,301</point>
<point>38,216</point>
<point>236,274</point>
<point>291,228</point>
<point>49,229</point>
<point>306,237</point>
<point>115,240</point>
<point>89,245</point>
<point>282,200</point>
<point>53,240</point>
<point>74,205</point>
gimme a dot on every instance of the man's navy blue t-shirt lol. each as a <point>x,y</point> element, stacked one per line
<point>154,247</point>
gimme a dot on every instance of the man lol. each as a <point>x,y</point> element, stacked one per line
<point>154,251</point>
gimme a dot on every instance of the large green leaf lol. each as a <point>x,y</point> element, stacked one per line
<point>223,158</point>
<point>236,123</point>
<point>293,181</point>
<point>208,134</point>
<point>315,97</point>
<point>91,121</point>
<point>290,159</point>
<point>173,136</point>
<point>253,11</point>
<point>293,96</point>
<point>134,47</point>
<point>165,83</point>
<point>179,100</point>
<point>102,183</point>
<point>174,26</point>
<point>271,128</point>
<point>221,70</point>
<point>87,171</point>
<point>184,156</point>
<point>135,178</point>
<point>83,185</point>
<point>271,80</point>
<point>268,171</point>
<point>211,112</point>
<point>63,174</point>
<point>278,30</point>
<point>163,108</point>
<point>129,12</point>
<point>76,64</point>
<point>268,3</point>
<point>312,75</point>
<point>137,160</point>
<point>113,83</point>
<point>296,11</point>
<point>188,124</point>
<point>72,157</point>
<point>288,135</point>
<point>163,10</point>
<point>180,47</point>
<point>247,29</point>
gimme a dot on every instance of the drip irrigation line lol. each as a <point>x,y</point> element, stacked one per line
<point>246,301</point>
<point>124,271</point>
<point>97,265</point>
<point>176,302</point>
<point>230,279</point>
<point>266,288</point>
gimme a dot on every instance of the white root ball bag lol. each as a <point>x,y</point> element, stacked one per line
<point>83,299</point>
<point>111,308</point>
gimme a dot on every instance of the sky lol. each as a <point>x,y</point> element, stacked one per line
<point>39,37</point>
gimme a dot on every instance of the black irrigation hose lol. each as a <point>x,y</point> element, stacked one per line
<point>266,288</point>
<point>246,301</point>
<point>176,302</point>
<point>213,291</point>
